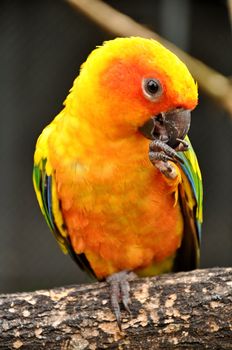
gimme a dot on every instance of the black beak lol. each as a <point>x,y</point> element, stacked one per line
<point>168,126</point>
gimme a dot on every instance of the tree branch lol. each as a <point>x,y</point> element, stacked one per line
<point>229,4</point>
<point>213,83</point>
<point>186,310</point>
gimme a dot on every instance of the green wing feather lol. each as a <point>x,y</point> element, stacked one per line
<point>46,192</point>
<point>191,195</point>
<point>43,188</point>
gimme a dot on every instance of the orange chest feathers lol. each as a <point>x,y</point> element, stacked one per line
<point>120,211</point>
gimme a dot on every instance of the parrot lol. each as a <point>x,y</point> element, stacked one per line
<point>115,174</point>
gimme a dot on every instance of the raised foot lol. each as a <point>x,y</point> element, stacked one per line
<point>160,155</point>
<point>120,292</point>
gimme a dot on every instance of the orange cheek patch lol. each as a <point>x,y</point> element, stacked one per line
<point>123,82</point>
<point>123,79</point>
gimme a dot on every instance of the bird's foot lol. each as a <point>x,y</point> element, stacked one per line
<point>161,153</point>
<point>120,292</point>
<point>165,168</point>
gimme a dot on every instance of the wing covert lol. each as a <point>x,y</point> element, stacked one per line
<point>45,187</point>
<point>191,193</point>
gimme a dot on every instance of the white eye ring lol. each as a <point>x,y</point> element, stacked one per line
<point>152,88</point>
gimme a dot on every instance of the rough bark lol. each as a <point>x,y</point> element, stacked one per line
<point>190,310</point>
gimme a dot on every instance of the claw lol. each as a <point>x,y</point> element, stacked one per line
<point>157,145</point>
<point>120,292</point>
<point>183,145</point>
<point>114,298</point>
<point>165,168</point>
<point>125,294</point>
<point>157,156</point>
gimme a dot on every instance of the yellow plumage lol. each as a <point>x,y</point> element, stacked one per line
<point>104,199</point>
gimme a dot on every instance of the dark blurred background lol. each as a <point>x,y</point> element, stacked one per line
<point>42,44</point>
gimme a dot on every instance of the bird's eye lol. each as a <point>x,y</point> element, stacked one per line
<point>152,88</point>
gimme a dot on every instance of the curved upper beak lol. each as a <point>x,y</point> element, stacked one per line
<point>168,126</point>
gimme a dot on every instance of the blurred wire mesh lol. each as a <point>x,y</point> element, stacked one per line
<point>42,44</point>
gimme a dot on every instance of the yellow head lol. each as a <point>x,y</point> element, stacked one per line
<point>127,81</point>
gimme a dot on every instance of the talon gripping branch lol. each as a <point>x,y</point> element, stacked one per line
<point>115,174</point>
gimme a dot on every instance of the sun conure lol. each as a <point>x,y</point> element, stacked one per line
<point>115,174</point>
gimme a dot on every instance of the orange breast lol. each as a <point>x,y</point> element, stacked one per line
<point>121,212</point>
